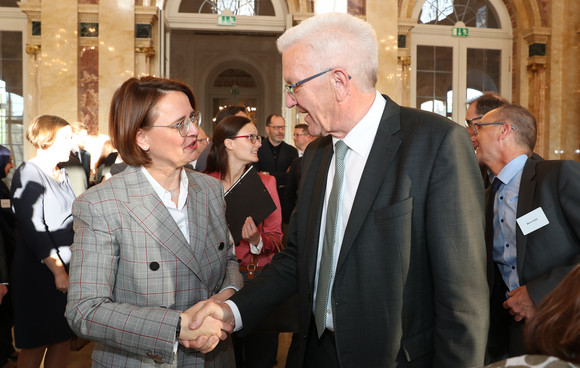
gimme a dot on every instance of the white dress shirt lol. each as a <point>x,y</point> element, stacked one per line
<point>359,141</point>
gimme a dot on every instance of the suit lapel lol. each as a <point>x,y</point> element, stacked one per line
<point>383,151</point>
<point>320,167</point>
<point>154,218</point>
<point>525,199</point>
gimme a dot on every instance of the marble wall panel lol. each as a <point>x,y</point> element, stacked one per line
<point>89,87</point>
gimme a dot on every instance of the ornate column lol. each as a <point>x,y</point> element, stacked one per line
<point>537,39</point>
<point>146,61</point>
<point>404,60</point>
<point>33,50</point>
<point>116,55</point>
<point>382,15</point>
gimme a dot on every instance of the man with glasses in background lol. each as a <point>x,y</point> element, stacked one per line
<point>533,223</point>
<point>386,247</point>
<point>476,109</point>
<point>301,138</point>
<point>275,157</point>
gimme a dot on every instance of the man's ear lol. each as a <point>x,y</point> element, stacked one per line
<point>341,81</point>
<point>507,130</point>
<point>142,140</point>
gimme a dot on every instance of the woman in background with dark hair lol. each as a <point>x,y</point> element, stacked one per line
<point>42,198</point>
<point>234,150</point>
<point>232,110</point>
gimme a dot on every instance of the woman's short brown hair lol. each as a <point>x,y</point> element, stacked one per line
<point>42,130</point>
<point>133,108</point>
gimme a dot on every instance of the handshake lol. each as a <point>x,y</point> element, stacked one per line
<point>205,324</point>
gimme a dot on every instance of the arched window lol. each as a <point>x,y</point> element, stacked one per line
<point>238,7</point>
<point>473,13</point>
<point>459,49</point>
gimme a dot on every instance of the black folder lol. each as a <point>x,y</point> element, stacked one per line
<point>247,197</point>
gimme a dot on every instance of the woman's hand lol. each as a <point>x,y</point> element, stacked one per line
<point>223,295</point>
<point>61,281</point>
<point>55,265</point>
<point>250,232</point>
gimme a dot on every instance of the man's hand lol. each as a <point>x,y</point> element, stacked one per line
<point>206,323</point>
<point>520,304</point>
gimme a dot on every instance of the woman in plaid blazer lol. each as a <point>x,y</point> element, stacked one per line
<point>151,241</point>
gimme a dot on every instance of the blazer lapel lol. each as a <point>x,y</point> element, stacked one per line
<point>383,151</point>
<point>525,203</point>
<point>197,211</point>
<point>155,219</point>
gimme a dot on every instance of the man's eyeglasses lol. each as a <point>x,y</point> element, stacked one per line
<point>252,137</point>
<point>281,127</point>
<point>290,87</point>
<point>299,134</point>
<point>183,126</point>
<point>475,125</point>
<point>469,121</point>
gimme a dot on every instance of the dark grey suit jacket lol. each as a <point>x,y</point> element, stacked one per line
<point>545,256</point>
<point>410,287</point>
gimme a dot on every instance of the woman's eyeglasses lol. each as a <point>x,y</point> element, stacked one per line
<point>183,126</point>
<point>252,137</point>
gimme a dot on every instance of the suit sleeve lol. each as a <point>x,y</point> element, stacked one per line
<point>455,240</point>
<point>569,203</point>
<point>91,311</point>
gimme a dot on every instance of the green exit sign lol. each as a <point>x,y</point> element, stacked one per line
<point>461,31</point>
<point>226,20</point>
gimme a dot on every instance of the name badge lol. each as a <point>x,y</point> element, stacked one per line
<point>533,221</point>
<point>5,203</point>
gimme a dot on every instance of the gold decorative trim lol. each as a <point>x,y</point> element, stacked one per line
<point>32,49</point>
<point>534,67</point>
<point>404,60</point>
<point>148,51</point>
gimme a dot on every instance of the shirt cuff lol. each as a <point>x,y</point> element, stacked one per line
<point>257,249</point>
<point>237,316</point>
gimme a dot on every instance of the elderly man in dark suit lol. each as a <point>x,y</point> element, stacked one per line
<point>389,265</point>
<point>533,235</point>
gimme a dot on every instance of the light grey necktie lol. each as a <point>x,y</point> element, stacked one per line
<point>328,244</point>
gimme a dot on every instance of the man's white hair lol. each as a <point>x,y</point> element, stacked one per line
<point>338,40</point>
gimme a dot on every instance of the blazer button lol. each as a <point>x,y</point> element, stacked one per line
<point>221,246</point>
<point>154,266</point>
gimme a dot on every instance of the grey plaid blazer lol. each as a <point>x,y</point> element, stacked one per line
<point>132,271</point>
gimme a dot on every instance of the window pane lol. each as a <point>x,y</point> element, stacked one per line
<point>11,101</point>
<point>483,71</point>
<point>435,79</point>
<point>474,13</point>
<point>238,7</point>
